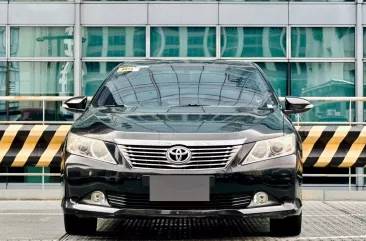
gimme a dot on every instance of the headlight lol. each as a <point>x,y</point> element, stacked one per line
<point>87,147</point>
<point>271,148</point>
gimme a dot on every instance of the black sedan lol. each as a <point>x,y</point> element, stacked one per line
<point>183,139</point>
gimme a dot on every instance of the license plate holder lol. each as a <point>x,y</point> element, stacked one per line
<point>179,188</point>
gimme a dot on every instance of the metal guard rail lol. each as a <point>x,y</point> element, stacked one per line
<point>45,99</point>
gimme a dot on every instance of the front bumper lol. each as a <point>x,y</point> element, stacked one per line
<point>280,178</point>
<point>85,210</point>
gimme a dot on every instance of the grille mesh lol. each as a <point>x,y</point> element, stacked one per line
<point>203,157</point>
<point>217,201</point>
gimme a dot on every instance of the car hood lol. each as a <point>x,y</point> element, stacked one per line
<point>186,123</point>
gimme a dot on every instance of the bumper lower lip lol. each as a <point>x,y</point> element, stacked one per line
<point>283,210</point>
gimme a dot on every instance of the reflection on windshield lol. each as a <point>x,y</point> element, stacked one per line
<point>186,85</point>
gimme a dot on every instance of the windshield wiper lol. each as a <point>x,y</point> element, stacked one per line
<point>189,105</point>
<point>115,105</point>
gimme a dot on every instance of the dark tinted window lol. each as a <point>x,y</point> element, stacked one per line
<point>184,84</point>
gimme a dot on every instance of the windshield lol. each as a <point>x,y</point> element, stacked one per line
<point>169,85</point>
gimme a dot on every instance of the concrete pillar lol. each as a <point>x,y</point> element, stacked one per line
<point>77,51</point>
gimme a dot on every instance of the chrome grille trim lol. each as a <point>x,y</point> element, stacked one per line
<point>203,157</point>
<point>153,143</point>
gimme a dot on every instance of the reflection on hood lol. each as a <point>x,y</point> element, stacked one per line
<point>106,120</point>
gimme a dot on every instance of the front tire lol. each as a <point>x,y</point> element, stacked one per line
<point>289,226</point>
<point>79,226</point>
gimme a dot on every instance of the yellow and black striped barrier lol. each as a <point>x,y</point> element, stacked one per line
<point>333,146</point>
<point>323,146</point>
<point>31,145</point>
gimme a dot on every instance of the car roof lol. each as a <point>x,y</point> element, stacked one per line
<point>152,62</point>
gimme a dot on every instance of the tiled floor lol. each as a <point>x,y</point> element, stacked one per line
<point>42,220</point>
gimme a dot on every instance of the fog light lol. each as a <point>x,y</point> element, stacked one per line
<point>97,197</point>
<point>260,198</point>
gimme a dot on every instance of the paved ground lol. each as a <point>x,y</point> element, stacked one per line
<point>42,220</point>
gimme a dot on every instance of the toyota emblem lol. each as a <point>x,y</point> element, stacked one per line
<point>179,155</point>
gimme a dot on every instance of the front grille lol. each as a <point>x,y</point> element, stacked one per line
<point>203,157</point>
<point>217,202</point>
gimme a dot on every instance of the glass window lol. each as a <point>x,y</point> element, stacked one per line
<point>183,41</point>
<point>153,0</point>
<point>2,85</point>
<point>329,112</point>
<point>94,73</point>
<point>322,0</point>
<point>4,89</point>
<point>2,41</point>
<point>184,0</point>
<point>364,42</point>
<point>33,111</point>
<point>40,0</point>
<point>253,0</point>
<point>41,78</point>
<point>324,79</point>
<point>36,79</point>
<point>166,85</point>
<point>327,42</point>
<point>364,92</point>
<point>253,42</point>
<point>114,42</point>
<point>277,76</point>
<point>41,41</point>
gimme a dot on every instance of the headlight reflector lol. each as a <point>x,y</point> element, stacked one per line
<point>267,149</point>
<point>87,147</point>
<point>260,150</point>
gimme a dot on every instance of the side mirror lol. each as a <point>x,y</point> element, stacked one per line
<point>76,104</point>
<point>296,105</point>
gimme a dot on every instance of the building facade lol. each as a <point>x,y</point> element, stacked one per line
<point>66,48</point>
